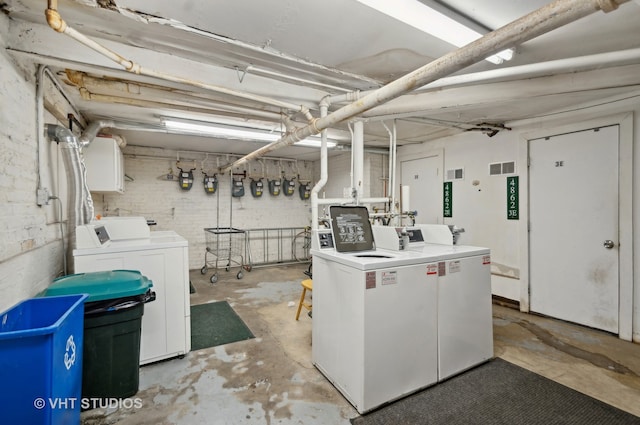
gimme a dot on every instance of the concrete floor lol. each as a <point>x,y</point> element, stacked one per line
<point>271,380</point>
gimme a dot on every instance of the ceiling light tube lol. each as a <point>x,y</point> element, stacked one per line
<point>203,128</point>
<point>312,142</point>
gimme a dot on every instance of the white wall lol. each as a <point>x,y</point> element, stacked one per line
<point>189,212</point>
<point>481,208</point>
<point>31,247</point>
<point>479,199</point>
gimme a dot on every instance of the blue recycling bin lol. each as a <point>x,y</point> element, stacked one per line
<point>41,341</point>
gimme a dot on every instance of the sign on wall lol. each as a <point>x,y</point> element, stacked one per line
<point>513,204</point>
<point>447,201</point>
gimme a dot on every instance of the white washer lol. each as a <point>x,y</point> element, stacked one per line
<point>374,325</point>
<point>162,256</point>
<point>465,323</point>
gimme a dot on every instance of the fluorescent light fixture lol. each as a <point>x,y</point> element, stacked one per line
<point>314,142</point>
<point>203,128</point>
<point>431,21</point>
<point>213,129</point>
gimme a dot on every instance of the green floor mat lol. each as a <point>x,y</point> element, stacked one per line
<point>215,324</point>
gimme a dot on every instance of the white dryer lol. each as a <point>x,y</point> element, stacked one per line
<point>162,256</point>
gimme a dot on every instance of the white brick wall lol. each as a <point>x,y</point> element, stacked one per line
<point>189,212</point>
<point>339,171</point>
<point>31,248</point>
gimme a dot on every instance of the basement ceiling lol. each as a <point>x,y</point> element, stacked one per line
<point>299,51</point>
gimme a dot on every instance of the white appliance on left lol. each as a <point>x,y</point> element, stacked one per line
<point>126,243</point>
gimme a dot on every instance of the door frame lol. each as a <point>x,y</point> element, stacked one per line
<point>625,212</point>
<point>410,156</point>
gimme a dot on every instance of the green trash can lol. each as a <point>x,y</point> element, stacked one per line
<point>112,330</point>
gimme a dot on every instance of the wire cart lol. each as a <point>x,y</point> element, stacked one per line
<point>229,245</point>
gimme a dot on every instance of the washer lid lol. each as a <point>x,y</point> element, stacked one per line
<point>351,228</point>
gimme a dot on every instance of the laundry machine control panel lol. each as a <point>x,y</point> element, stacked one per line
<point>323,239</point>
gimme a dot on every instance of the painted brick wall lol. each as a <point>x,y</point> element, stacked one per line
<point>188,213</point>
<point>30,247</point>
<point>339,170</point>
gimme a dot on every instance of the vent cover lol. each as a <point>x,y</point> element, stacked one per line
<point>498,168</point>
<point>455,174</point>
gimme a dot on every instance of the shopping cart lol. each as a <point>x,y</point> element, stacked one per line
<point>229,246</point>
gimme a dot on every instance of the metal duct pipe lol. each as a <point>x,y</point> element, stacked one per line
<point>79,203</point>
<point>92,131</point>
<point>545,19</point>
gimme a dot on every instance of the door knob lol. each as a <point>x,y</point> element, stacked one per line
<point>609,244</point>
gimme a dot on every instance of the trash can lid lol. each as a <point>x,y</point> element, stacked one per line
<point>101,286</point>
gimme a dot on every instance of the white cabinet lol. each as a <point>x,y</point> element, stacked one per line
<point>105,165</point>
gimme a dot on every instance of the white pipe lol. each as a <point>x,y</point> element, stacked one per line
<point>56,22</point>
<point>324,173</point>
<point>389,179</point>
<point>271,52</point>
<point>545,19</point>
<point>540,68</point>
<point>392,174</point>
<point>574,64</point>
<point>263,71</point>
<point>357,152</point>
<point>373,200</point>
<point>40,122</point>
<point>339,201</point>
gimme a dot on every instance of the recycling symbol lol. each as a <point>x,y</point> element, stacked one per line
<point>70,353</point>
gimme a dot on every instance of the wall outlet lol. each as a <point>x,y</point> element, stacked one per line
<point>42,197</point>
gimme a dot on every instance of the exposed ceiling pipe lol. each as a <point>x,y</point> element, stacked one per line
<point>137,94</point>
<point>257,70</point>
<point>56,22</point>
<point>322,70</point>
<point>248,114</point>
<point>580,63</point>
<point>545,19</point>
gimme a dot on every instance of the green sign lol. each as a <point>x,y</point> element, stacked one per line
<point>513,205</point>
<point>447,200</point>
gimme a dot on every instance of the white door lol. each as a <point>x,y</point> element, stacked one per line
<point>573,203</point>
<point>425,188</point>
